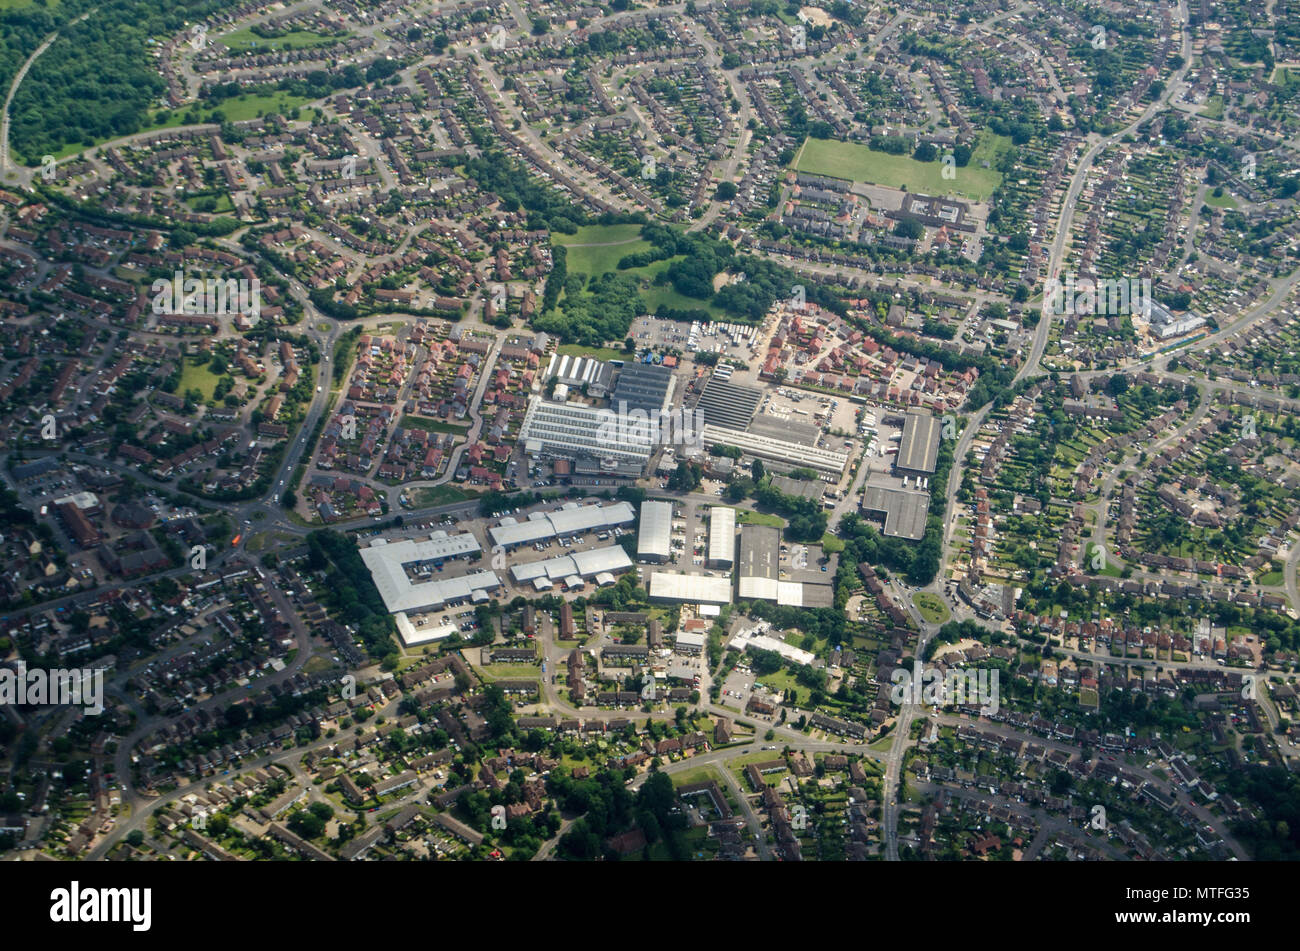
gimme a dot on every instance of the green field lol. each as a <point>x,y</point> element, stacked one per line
<point>596,353</point>
<point>1223,201</point>
<point>758,518</point>
<point>262,541</point>
<point>1285,76</point>
<point>655,297</point>
<point>196,377</point>
<point>509,672</point>
<point>861,164</point>
<point>219,204</point>
<point>440,495</point>
<point>596,249</point>
<point>1213,108</point>
<point>931,607</point>
<point>246,41</point>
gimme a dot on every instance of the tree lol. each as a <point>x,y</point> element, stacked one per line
<point>908,228</point>
<point>307,824</point>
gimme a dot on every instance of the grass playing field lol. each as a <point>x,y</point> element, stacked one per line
<point>596,249</point>
<point>862,164</point>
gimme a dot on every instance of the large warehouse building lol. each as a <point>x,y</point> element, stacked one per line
<point>655,533</point>
<point>759,572</point>
<point>759,566</point>
<point>692,589</point>
<point>574,570</point>
<point>918,450</point>
<point>728,405</point>
<point>569,520</point>
<point>902,510</point>
<point>824,461</point>
<point>409,592</point>
<point>579,372</point>
<point>647,387</point>
<point>722,537</point>
<point>575,431</point>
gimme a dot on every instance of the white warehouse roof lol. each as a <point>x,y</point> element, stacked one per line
<point>722,535</point>
<point>437,547</point>
<point>654,534</point>
<point>702,589</point>
<point>572,519</point>
<point>778,450</point>
<point>586,564</point>
<point>400,593</point>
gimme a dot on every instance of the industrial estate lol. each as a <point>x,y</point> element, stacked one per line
<point>729,430</point>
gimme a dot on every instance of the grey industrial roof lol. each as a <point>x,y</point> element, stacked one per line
<point>759,550</point>
<point>436,547</point>
<point>728,404</point>
<point>400,593</point>
<point>643,386</point>
<point>788,430</point>
<point>794,594</point>
<point>802,488</point>
<point>654,534</point>
<point>904,509</point>
<point>919,448</point>
<point>576,370</point>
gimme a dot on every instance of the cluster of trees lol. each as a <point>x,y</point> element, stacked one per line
<point>806,520</point>
<point>1275,836</point>
<point>919,562</point>
<point>349,591</point>
<point>818,623</point>
<point>610,809</point>
<point>702,258</point>
<point>594,310</point>
<point>605,804</point>
<point>310,822</point>
<point>686,477</point>
<point>546,205</point>
<point>627,594</point>
<point>98,82</point>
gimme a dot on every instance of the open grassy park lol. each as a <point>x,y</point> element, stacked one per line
<point>596,249</point>
<point>246,41</point>
<point>931,607</point>
<point>195,376</point>
<point>862,164</point>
